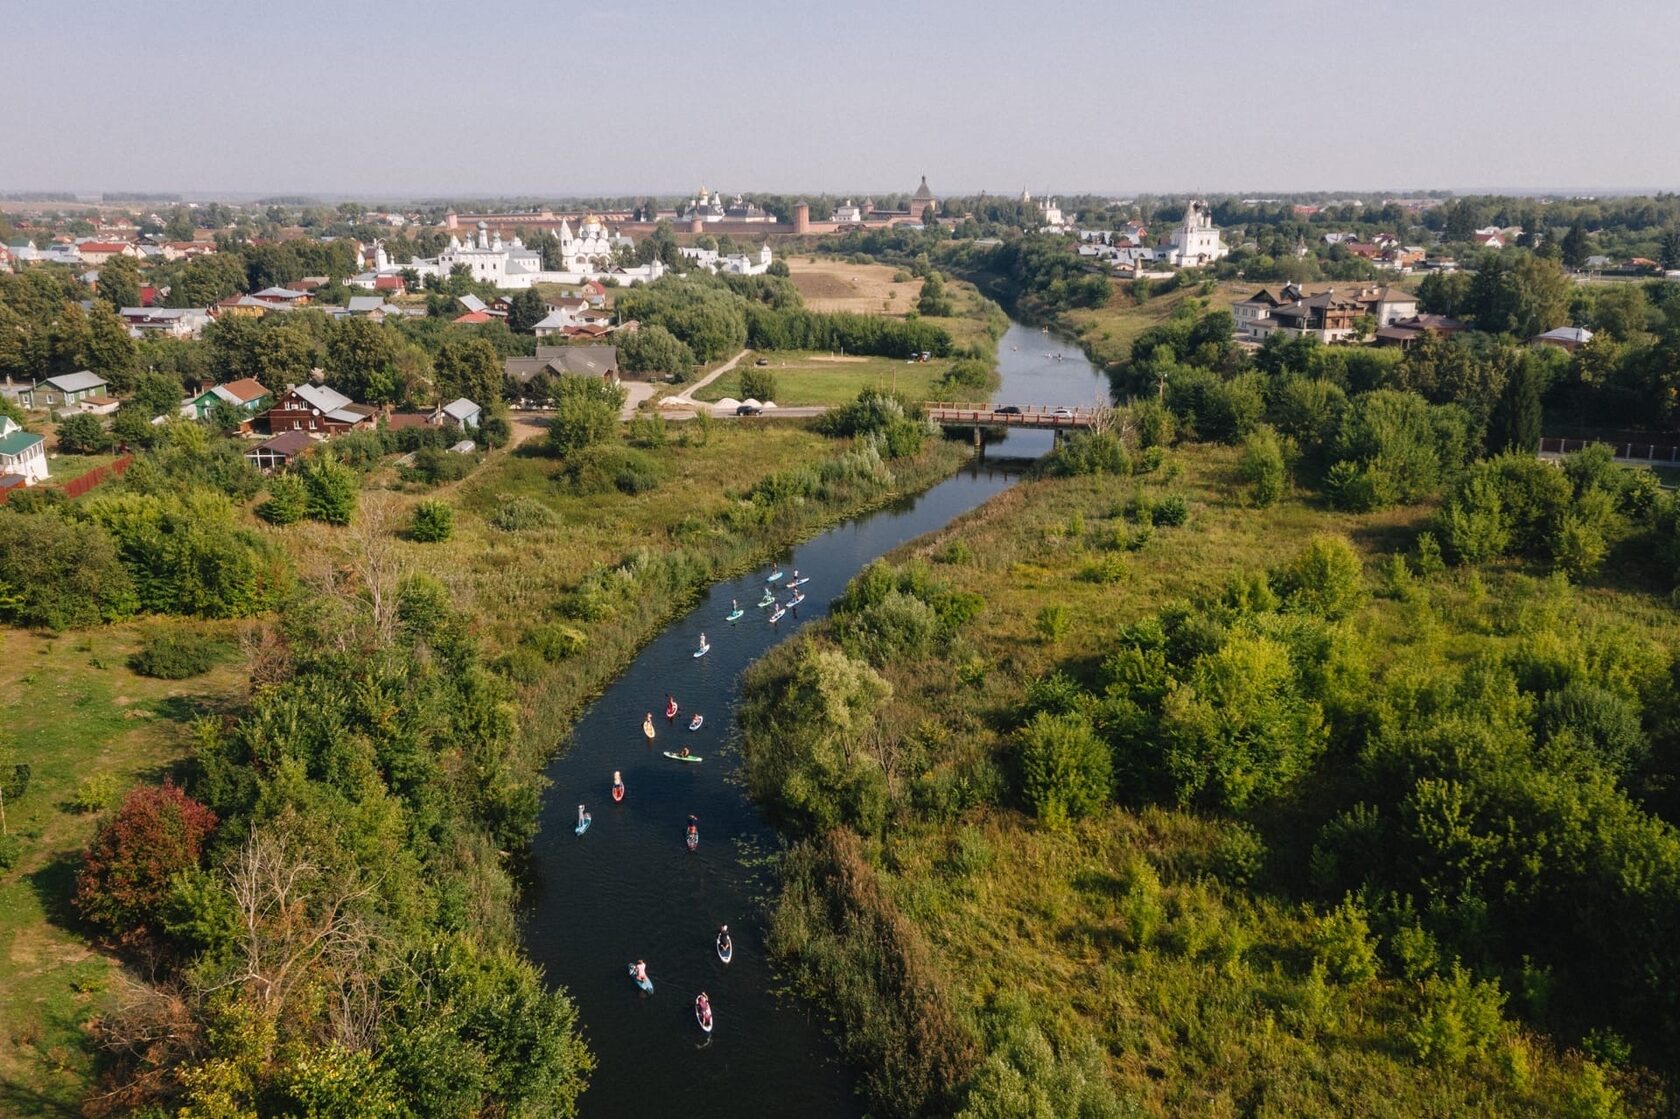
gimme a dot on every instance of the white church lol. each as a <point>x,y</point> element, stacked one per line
<point>1196,241</point>
<point>589,254</point>
<point>734,264</point>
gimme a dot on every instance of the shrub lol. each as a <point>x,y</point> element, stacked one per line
<point>82,434</point>
<point>1052,622</point>
<point>1172,511</point>
<point>1325,577</point>
<point>11,850</point>
<point>59,573</point>
<point>1090,452</point>
<point>175,654</point>
<point>95,793</point>
<point>331,486</point>
<point>126,870</point>
<point>758,384</point>
<point>1066,771</point>
<point>436,465</point>
<point>522,514</point>
<point>1262,466</point>
<point>434,522</point>
<point>556,641</point>
<point>288,500</point>
<point>1460,1017</point>
<point>1341,939</point>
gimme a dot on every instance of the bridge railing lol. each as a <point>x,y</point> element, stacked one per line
<point>1037,415</point>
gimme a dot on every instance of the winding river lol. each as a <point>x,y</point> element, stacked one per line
<point>629,888</point>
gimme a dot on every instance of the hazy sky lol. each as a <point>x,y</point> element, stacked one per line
<point>617,96</point>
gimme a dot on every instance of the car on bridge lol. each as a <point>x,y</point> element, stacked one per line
<point>1063,413</point>
<point>1008,410</point>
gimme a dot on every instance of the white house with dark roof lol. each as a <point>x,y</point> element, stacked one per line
<point>23,454</point>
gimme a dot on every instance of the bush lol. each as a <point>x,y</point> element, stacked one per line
<point>11,850</point>
<point>434,522</point>
<point>59,573</point>
<point>126,870</point>
<point>331,487</point>
<point>95,793</point>
<point>1066,771</point>
<point>1325,577</point>
<point>1460,1018</point>
<point>175,654</point>
<point>555,641</point>
<point>288,500</point>
<point>82,434</point>
<point>758,384</point>
<point>1172,511</point>
<point>1090,452</point>
<point>437,465</point>
<point>522,514</point>
<point>1262,466</point>
<point>1052,622</point>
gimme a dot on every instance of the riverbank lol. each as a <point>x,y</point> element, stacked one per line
<point>989,933</point>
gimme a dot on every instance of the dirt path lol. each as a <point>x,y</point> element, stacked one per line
<point>685,398</point>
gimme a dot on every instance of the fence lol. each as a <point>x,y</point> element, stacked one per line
<point>1629,452</point>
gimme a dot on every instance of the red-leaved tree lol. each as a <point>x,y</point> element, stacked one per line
<point>126,869</point>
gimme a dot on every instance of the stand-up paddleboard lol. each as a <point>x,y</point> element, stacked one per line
<point>647,726</point>
<point>671,708</point>
<point>645,984</point>
<point>702,651</point>
<point>774,577</point>
<point>725,948</point>
<point>679,758</point>
<point>799,582</point>
<point>703,1014</point>
<point>734,614</point>
<point>696,722</point>
<point>618,792</point>
<point>781,611</point>
<point>768,600</point>
<point>796,599</point>
<point>692,839</point>
<point>583,824</point>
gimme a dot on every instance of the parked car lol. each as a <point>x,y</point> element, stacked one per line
<point>1008,410</point>
<point>762,361</point>
<point>748,410</point>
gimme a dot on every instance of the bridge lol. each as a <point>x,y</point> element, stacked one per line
<point>1629,454</point>
<point>979,416</point>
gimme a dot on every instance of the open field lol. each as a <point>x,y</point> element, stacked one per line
<point>829,379</point>
<point>829,284</point>
<point>76,714</point>
<point>1118,937</point>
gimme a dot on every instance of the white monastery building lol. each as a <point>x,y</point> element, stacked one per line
<point>1196,241</point>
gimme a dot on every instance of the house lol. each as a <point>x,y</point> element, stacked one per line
<point>175,322</point>
<point>98,252</point>
<point>461,412</point>
<point>472,318</point>
<point>280,451</point>
<point>473,303</point>
<point>1404,332</point>
<point>245,394</point>
<point>596,292</point>
<point>369,307</point>
<point>1329,314</point>
<point>23,454</point>
<point>390,285</point>
<point>63,391</point>
<point>319,409</point>
<point>283,297</point>
<point>1565,337</point>
<point>560,361</point>
<point>98,405</point>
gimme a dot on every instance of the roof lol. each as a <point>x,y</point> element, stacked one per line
<point>461,408</point>
<point>922,192</point>
<point>18,442</point>
<point>472,317</point>
<point>242,391</point>
<point>1568,334</point>
<point>471,302</point>
<point>287,443</point>
<point>362,303</point>
<point>280,293</point>
<point>102,246</point>
<point>76,382</point>
<point>321,397</point>
<point>12,481</point>
<point>397,421</point>
<point>591,360</point>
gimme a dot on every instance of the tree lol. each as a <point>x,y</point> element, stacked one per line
<point>653,349</point>
<point>288,500</point>
<point>1669,252</point>
<point>1516,421</point>
<point>1516,292</point>
<point>933,300</point>
<point>360,358</point>
<point>585,413</point>
<point>155,394</point>
<point>125,876</point>
<point>1325,577</point>
<point>1262,466</point>
<point>434,521</point>
<point>332,489</point>
<point>1621,311</point>
<point>119,282</point>
<point>528,309</point>
<point>467,366</point>
<point>758,384</point>
<point>1575,247</point>
<point>60,574</point>
<point>82,434</point>
<point>1066,770</point>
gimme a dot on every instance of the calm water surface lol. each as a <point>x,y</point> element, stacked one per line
<point>629,889</point>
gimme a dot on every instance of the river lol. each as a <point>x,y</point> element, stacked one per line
<point>629,889</point>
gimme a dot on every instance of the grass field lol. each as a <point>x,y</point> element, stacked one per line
<point>830,284</point>
<point>829,379</point>
<point>83,722</point>
<point>1212,1013</point>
